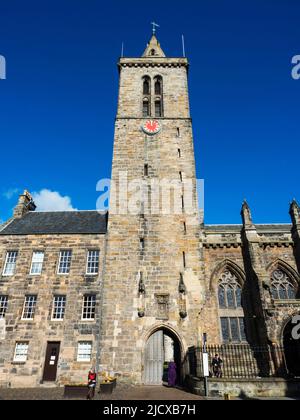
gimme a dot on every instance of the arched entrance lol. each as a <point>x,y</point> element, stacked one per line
<point>291,351</point>
<point>162,347</point>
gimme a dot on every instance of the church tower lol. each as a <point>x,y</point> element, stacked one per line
<point>152,290</point>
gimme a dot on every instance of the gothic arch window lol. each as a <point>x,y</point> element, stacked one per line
<point>152,53</point>
<point>146,96</point>
<point>230,291</point>
<point>231,310</point>
<point>283,287</point>
<point>158,90</point>
<point>158,85</point>
<point>146,85</point>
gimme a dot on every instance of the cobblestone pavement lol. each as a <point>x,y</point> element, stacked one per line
<point>122,393</point>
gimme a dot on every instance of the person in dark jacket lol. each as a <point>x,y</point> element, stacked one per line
<point>217,363</point>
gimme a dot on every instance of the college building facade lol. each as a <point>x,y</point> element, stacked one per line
<point>130,290</point>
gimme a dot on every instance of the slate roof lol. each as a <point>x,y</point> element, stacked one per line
<point>52,223</point>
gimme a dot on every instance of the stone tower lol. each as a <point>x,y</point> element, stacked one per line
<point>152,292</point>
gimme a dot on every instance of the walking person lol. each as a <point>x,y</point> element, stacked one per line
<point>172,374</point>
<point>92,383</point>
<point>217,363</point>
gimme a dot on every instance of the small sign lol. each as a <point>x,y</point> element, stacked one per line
<point>2,329</point>
<point>205,365</point>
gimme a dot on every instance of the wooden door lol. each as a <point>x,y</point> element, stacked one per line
<point>154,359</point>
<point>51,362</point>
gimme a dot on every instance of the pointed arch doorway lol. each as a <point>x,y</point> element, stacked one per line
<point>162,347</point>
<point>291,351</point>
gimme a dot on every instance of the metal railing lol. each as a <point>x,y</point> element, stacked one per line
<point>241,361</point>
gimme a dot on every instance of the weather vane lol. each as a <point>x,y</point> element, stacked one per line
<point>155,25</point>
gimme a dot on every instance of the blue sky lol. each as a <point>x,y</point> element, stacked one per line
<point>58,104</point>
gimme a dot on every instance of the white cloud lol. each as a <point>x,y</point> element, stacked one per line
<point>10,193</point>
<point>47,200</point>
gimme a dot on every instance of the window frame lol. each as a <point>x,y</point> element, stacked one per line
<point>90,251</point>
<point>84,343</point>
<point>27,306</point>
<point>158,103</point>
<point>25,355</point>
<point>147,102</point>
<point>284,285</point>
<point>10,274</point>
<point>37,262</point>
<point>147,79</point>
<point>242,337</point>
<point>87,308</point>
<point>3,306</point>
<point>53,319</point>
<point>230,285</point>
<point>60,257</point>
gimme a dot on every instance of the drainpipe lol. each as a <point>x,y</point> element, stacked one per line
<point>100,323</point>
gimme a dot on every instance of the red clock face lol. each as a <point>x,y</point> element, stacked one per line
<point>151,127</point>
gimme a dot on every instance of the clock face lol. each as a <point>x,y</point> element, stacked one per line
<point>151,127</point>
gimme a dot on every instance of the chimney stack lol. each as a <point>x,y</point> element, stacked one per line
<point>24,206</point>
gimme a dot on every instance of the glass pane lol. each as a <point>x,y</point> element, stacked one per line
<point>238,295</point>
<point>291,292</point>
<point>242,329</point>
<point>146,87</point>
<point>93,262</point>
<point>225,329</point>
<point>158,112</point>
<point>230,298</point>
<point>146,109</point>
<point>274,293</point>
<point>282,293</point>
<point>157,88</point>
<point>234,325</point>
<point>222,302</point>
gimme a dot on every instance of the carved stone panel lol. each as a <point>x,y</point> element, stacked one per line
<point>162,304</point>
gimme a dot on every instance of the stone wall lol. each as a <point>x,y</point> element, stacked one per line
<point>246,388</point>
<point>130,317</point>
<point>41,330</point>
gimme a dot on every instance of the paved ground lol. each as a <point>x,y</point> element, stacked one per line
<point>122,393</point>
